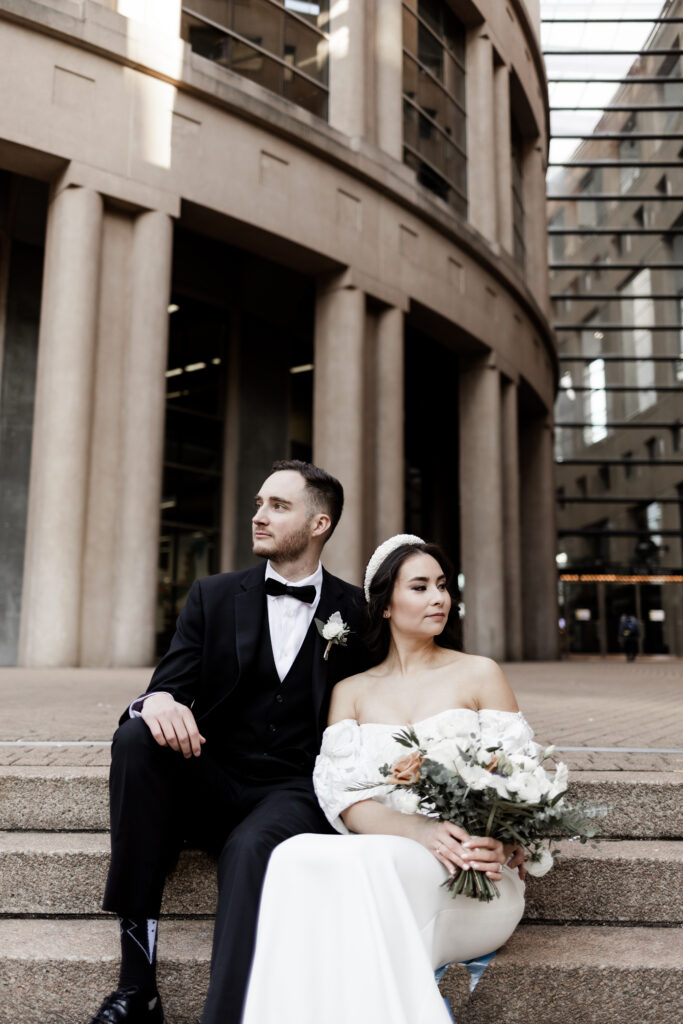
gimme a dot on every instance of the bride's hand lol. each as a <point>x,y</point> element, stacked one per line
<point>516,859</point>
<point>485,854</point>
<point>455,848</point>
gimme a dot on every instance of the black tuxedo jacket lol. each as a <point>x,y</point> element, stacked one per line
<point>217,634</point>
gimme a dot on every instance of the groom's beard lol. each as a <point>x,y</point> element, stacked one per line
<point>286,550</point>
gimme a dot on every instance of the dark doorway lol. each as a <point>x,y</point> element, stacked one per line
<point>431,430</point>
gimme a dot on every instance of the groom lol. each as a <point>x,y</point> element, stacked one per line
<point>219,752</point>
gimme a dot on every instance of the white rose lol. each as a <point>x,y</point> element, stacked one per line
<point>527,787</point>
<point>478,779</point>
<point>443,751</point>
<point>560,780</point>
<point>339,740</point>
<point>405,801</point>
<point>334,627</point>
<point>540,863</point>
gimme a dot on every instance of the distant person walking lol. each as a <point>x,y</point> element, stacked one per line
<point>629,633</point>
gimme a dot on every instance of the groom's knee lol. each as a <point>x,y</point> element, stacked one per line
<point>132,735</point>
<point>135,749</point>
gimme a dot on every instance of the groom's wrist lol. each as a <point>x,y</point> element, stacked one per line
<point>135,707</point>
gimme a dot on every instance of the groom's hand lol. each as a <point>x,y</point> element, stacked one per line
<point>172,724</point>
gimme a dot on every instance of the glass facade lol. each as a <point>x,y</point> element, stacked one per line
<point>615,213</point>
<point>193,455</point>
<point>434,128</point>
<point>280,44</point>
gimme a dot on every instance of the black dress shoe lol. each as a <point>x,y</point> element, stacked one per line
<point>129,1006</point>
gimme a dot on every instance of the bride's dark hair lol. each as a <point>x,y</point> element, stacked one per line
<point>378,636</point>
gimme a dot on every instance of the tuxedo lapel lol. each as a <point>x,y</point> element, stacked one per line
<point>331,600</point>
<point>249,610</point>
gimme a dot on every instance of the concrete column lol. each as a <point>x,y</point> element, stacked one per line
<point>481,168</point>
<point>539,575</point>
<point>511,524</point>
<point>389,76</point>
<point>501,82</point>
<point>51,598</point>
<point>106,473</point>
<point>535,227</point>
<point>338,420</point>
<point>133,626</point>
<point>348,77</point>
<point>389,461</point>
<point>481,510</point>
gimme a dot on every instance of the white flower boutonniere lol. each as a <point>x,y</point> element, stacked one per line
<point>335,631</point>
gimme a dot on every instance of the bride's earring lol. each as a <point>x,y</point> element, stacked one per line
<point>385,614</point>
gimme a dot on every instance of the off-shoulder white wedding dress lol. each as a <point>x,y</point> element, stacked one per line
<point>352,927</point>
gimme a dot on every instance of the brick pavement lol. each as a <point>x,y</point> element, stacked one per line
<point>578,703</point>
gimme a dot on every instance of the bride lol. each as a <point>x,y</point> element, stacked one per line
<point>352,928</point>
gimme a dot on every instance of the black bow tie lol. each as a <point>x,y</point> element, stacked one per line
<point>276,589</point>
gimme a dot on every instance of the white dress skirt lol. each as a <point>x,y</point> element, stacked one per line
<point>352,927</point>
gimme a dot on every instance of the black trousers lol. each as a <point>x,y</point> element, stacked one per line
<point>159,802</point>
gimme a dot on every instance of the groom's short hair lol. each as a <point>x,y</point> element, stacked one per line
<point>324,491</point>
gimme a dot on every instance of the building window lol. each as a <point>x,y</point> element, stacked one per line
<point>592,212</point>
<point>637,316</point>
<point>629,153</point>
<point>517,157</point>
<point>434,136</point>
<point>280,44</point>
<point>556,242</point>
<point>669,92</point>
<point>653,515</point>
<point>675,429</point>
<point>595,402</point>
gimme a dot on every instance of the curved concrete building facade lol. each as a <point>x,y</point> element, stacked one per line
<point>234,232</point>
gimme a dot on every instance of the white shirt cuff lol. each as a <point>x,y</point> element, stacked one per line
<point>136,712</point>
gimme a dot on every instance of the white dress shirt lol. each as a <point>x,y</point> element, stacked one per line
<point>289,619</point>
<point>288,622</point>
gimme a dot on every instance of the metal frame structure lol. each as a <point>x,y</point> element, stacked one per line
<point>648,149</point>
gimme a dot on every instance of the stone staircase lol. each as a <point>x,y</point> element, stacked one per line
<point>601,941</point>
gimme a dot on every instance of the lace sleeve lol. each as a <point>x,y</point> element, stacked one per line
<point>509,728</point>
<point>338,768</point>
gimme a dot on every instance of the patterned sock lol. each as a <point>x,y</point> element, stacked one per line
<point>139,954</point>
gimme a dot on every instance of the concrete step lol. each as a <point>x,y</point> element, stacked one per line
<point>54,873</point>
<point>56,972</point>
<point>638,881</point>
<point>578,975</point>
<point>633,880</point>
<point>642,804</point>
<point>54,798</point>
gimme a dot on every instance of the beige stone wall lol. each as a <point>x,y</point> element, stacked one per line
<point>105,101</point>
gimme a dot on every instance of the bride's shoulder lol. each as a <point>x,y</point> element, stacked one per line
<point>490,688</point>
<point>346,697</point>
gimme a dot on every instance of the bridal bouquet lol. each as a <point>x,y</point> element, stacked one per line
<point>510,797</point>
